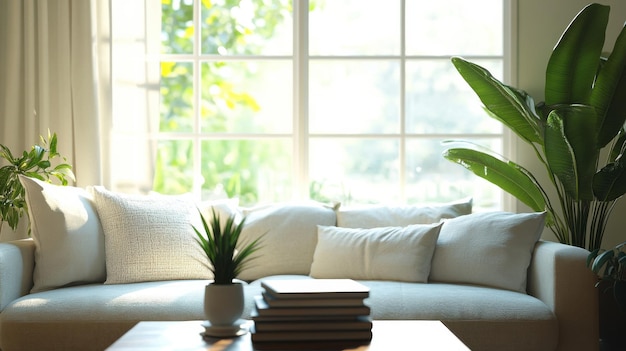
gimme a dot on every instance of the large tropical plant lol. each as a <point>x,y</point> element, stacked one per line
<point>577,133</point>
<point>36,163</point>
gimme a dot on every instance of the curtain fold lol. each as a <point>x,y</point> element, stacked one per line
<point>55,75</point>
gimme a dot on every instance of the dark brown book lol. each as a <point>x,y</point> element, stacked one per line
<point>273,301</point>
<point>263,309</point>
<point>254,314</point>
<point>326,335</point>
<point>310,345</point>
<point>315,288</point>
<point>357,323</point>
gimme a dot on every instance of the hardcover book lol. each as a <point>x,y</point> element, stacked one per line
<point>264,310</point>
<point>273,301</point>
<point>364,335</point>
<point>315,345</point>
<point>357,323</point>
<point>315,288</point>
<point>254,314</point>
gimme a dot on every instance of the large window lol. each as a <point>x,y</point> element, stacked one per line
<point>332,100</point>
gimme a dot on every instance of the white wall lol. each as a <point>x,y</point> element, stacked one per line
<point>540,25</point>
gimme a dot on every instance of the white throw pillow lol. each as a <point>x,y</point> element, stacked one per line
<point>150,237</point>
<point>387,253</point>
<point>491,248</point>
<point>69,244</point>
<point>289,233</point>
<point>373,216</point>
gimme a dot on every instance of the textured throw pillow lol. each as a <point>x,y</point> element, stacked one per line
<point>69,244</point>
<point>150,237</point>
<point>373,216</point>
<point>491,248</point>
<point>289,233</point>
<point>387,253</point>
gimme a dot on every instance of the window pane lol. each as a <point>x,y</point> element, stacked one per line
<point>454,27</point>
<point>355,27</point>
<point>432,178</point>
<point>439,100</point>
<point>174,168</point>
<point>247,97</point>
<point>176,97</point>
<point>246,27</point>
<point>252,170</point>
<point>177,27</point>
<point>354,170</point>
<point>236,128</point>
<point>354,96</point>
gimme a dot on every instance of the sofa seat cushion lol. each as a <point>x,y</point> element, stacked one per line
<point>398,300</point>
<point>98,314</point>
<point>502,319</point>
<point>165,300</point>
<point>442,301</point>
<point>506,320</point>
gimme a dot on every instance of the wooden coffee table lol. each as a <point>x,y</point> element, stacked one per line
<point>387,335</point>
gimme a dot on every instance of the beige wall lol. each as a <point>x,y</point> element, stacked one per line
<point>539,26</point>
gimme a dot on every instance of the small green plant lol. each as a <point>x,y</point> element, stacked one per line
<point>35,164</point>
<point>220,246</point>
<point>609,265</point>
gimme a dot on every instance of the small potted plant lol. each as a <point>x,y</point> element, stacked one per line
<point>37,163</point>
<point>610,266</point>
<point>224,299</point>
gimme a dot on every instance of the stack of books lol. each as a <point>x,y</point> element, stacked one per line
<point>311,312</point>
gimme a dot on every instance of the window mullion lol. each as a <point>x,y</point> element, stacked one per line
<point>301,99</point>
<point>197,99</point>
<point>402,156</point>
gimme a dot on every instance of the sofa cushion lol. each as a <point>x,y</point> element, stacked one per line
<point>69,243</point>
<point>513,321</point>
<point>372,216</point>
<point>150,237</point>
<point>386,253</point>
<point>491,248</point>
<point>94,316</point>
<point>98,315</point>
<point>289,236</point>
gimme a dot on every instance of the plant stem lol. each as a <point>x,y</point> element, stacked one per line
<point>600,213</point>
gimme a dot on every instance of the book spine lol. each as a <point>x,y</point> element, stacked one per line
<point>312,336</point>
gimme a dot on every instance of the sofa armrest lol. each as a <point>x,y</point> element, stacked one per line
<point>17,260</point>
<point>558,275</point>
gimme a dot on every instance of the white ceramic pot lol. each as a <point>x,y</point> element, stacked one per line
<point>223,304</point>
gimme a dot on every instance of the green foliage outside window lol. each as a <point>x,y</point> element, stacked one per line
<point>229,27</point>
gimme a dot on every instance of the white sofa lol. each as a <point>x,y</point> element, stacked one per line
<point>554,308</point>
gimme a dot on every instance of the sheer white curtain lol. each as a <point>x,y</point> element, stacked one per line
<point>54,75</point>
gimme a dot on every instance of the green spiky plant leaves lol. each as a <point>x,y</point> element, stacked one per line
<point>37,163</point>
<point>582,116</point>
<point>220,246</point>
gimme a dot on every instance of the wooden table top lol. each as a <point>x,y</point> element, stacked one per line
<point>186,335</point>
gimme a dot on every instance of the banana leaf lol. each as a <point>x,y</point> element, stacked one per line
<point>570,141</point>
<point>508,105</point>
<point>610,183</point>
<point>507,175</point>
<point>609,92</point>
<point>574,61</point>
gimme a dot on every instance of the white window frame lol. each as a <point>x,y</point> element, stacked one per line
<point>300,132</point>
